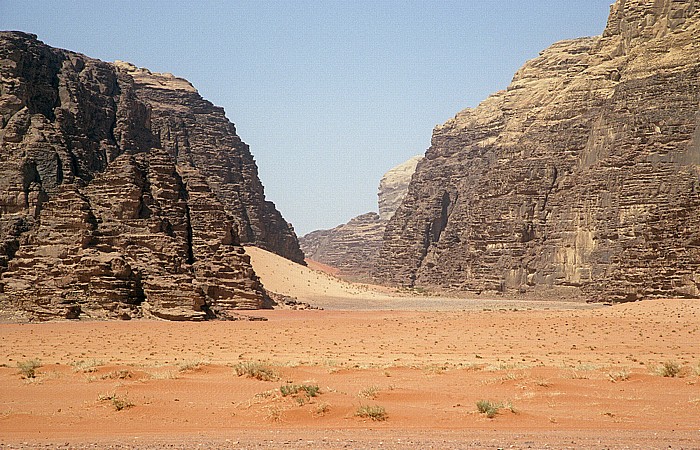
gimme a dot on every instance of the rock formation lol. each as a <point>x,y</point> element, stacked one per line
<point>394,185</point>
<point>353,247</point>
<point>123,193</point>
<point>583,173</point>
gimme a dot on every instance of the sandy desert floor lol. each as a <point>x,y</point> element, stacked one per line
<point>557,377</point>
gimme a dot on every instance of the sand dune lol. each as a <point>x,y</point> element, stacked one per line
<point>316,286</point>
<point>285,277</point>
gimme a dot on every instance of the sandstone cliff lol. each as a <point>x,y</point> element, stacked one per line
<point>353,247</point>
<point>394,185</point>
<point>583,173</point>
<point>123,193</point>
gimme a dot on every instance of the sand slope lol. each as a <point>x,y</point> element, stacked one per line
<point>285,277</point>
<point>316,286</point>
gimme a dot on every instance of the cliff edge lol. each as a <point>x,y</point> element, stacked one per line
<point>583,174</point>
<point>123,193</point>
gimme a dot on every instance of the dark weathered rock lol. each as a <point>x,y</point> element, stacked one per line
<point>197,133</point>
<point>353,247</point>
<point>123,193</point>
<point>583,173</point>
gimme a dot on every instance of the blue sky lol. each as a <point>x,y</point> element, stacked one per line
<point>328,94</point>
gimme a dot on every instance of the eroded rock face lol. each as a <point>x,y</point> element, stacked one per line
<point>584,172</point>
<point>123,193</point>
<point>393,187</point>
<point>353,247</point>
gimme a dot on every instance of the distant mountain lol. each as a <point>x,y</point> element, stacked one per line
<point>353,247</point>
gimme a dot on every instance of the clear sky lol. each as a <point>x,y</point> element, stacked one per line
<point>328,94</point>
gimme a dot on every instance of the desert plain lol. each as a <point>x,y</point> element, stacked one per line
<point>554,374</point>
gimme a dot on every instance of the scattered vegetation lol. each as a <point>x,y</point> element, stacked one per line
<point>121,374</point>
<point>86,366</point>
<point>322,408</point>
<point>310,390</point>
<point>621,375</point>
<point>369,392</point>
<point>274,413</point>
<point>28,368</point>
<point>374,412</point>
<point>491,409</point>
<point>542,382</point>
<point>118,402</point>
<point>164,375</point>
<point>255,370</point>
<point>670,369</point>
<point>576,375</point>
<point>185,366</point>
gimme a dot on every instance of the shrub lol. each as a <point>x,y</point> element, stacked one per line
<point>670,369</point>
<point>488,408</point>
<point>311,390</point>
<point>121,374</point>
<point>185,366</point>
<point>322,409</point>
<point>86,366</point>
<point>622,375</point>
<point>370,392</point>
<point>491,409</point>
<point>118,402</point>
<point>374,412</point>
<point>255,370</point>
<point>28,368</point>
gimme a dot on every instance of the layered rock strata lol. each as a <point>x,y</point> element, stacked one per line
<point>353,247</point>
<point>583,173</point>
<point>123,193</point>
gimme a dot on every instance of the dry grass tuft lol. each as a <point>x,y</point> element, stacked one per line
<point>374,412</point>
<point>255,370</point>
<point>28,368</point>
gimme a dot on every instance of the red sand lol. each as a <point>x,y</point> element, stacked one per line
<point>574,378</point>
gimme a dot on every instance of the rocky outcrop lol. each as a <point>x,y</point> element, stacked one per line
<point>123,193</point>
<point>353,247</point>
<point>583,173</point>
<point>197,133</point>
<point>394,185</point>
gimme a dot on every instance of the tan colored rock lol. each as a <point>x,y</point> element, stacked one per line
<point>394,185</point>
<point>583,173</point>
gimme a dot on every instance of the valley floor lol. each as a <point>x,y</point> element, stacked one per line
<point>562,378</point>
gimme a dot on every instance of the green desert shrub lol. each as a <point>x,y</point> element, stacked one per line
<point>491,409</point>
<point>369,392</point>
<point>119,402</point>
<point>488,408</point>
